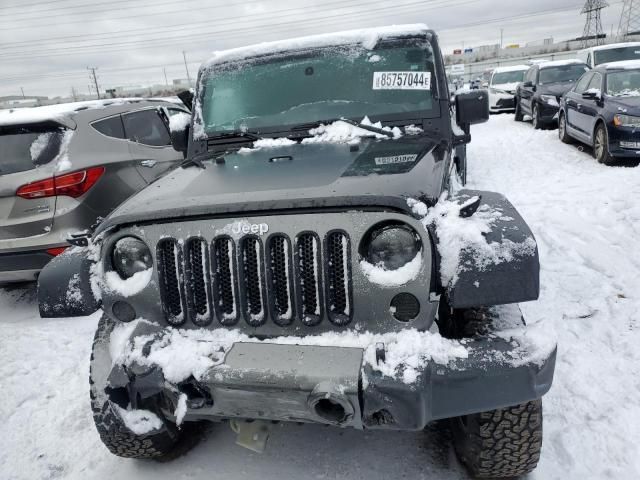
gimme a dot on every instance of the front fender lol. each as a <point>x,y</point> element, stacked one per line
<point>64,286</point>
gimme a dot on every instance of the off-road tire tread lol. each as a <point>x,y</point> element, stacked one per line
<point>506,442</point>
<point>163,445</point>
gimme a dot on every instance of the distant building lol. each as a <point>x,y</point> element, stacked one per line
<point>18,101</point>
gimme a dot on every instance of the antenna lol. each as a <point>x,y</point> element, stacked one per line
<point>629,19</point>
<point>593,33</point>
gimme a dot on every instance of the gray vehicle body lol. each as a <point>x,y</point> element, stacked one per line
<point>30,226</point>
<point>320,190</point>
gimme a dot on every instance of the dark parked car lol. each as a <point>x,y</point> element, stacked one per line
<point>63,167</point>
<point>299,221</point>
<point>544,84</point>
<point>603,111</point>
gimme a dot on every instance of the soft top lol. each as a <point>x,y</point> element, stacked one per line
<point>561,63</point>
<point>512,68</point>
<point>62,113</point>
<point>367,37</point>
<point>624,65</point>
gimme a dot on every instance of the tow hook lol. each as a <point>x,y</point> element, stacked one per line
<point>251,434</point>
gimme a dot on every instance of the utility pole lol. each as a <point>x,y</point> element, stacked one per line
<point>95,79</point>
<point>501,36</point>
<point>166,82</point>
<point>184,55</point>
<point>73,94</point>
<point>22,90</point>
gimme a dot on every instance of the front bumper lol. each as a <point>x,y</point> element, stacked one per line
<point>548,113</point>
<point>338,386</point>
<point>624,142</point>
<point>502,103</point>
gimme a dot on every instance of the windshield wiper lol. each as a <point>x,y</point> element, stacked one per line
<point>369,128</point>
<point>230,135</point>
<point>220,152</point>
<point>305,127</point>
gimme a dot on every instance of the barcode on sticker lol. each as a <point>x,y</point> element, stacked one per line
<point>395,159</point>
<point>401,80</point>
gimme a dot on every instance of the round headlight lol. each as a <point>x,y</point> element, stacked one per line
<point>130,256</point>
<point>391,246</point>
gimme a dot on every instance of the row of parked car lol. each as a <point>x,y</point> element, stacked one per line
<point>593,99</point>
<point>64,167</point>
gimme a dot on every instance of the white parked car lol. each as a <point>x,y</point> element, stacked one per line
<point>615,52</point>
<point>502,87</point>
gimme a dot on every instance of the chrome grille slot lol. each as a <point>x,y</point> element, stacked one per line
<point>280,286</point>
<point>170,277</point>
<point>252,281</point>
<point>224,284</point>
<point>197,286</point>
<point>308,278</point>
<point>338,268</point>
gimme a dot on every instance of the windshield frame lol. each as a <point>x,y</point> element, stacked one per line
<point>399,119</point>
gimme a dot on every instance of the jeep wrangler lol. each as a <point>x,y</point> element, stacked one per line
<point>314,259</point>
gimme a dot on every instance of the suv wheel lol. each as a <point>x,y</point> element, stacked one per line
<point>562,129</point>
<point>519,115</point>
<point>164,443</point>
<point>601,145</point>
<point>501,443</point>
<point>537,124</point>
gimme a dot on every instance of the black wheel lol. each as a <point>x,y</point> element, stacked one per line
<point>535,113</point>
<point>162,443</point>
<point>519,116</point>
<point>562,129</point>
<point>502,443</point>
<point>601,145</point>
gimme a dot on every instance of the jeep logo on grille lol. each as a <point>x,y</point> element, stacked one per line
<point>246,228</point>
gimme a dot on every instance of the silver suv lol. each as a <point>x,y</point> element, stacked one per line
<point>64,167</point>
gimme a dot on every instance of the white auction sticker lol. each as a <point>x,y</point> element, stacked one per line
<point>402,80</point>
<point>395,159</point>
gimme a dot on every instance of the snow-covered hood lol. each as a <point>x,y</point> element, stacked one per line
<point>506,87</point>
<point>556,89</point>
<point>627,105</point>
<point>373,173</point>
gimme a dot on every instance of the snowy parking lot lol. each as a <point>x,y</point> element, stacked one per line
<point>586,218</point>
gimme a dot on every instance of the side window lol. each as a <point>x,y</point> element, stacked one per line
<point>146,127</point>
<point>583,83</point>
<point>111,127</point>
<point>596,82</point>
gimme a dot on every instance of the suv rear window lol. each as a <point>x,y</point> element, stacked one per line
<point>24,148</point>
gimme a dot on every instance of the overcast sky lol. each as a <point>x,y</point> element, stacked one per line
<point>47,45</point>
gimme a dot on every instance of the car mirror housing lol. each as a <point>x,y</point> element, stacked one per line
<point>591,95</point>
<point>527,84</point>
<point>180,139</point>
<point>472,108</point>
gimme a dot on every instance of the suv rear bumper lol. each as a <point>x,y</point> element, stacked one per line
<point>336,386</point>
<point>22,266</point>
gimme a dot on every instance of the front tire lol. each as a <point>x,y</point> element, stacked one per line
<point>562,129</point>
<point>537,123</point>
<point>164,443</point>
<point>601,146</point>
<point>519,116</point>
<point>501,443</point>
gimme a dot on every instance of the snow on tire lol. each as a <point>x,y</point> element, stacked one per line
<point>501,443</point>
<point>164,443</point>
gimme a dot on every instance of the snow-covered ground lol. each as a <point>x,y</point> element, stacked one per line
<point>586,218</point>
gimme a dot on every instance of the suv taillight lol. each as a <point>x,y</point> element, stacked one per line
<point>70,185</point>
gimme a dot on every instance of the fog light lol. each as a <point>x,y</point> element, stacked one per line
<point>123,311</point>
<point>405,307</point>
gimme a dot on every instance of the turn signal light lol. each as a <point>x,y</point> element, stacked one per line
<point>54,252</point>
<point>73,185</point>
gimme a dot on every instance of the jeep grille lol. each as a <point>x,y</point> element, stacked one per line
<point>281,280</point>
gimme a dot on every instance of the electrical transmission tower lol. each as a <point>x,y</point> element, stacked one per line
<point>593,33</point>
<point>94,77</point>
<point>630,19</point>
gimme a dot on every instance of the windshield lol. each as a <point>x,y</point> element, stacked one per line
<point>624,84</point>
<point>396,78</point>
<point>24,148</point>
<point>562,74</point>
<point>617,54</point>
<point>507,77</point>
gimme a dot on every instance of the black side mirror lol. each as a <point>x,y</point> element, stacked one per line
<point>528,84</point>
<point>472,108</point>
<point>591,95</point>
<point>180,139</point>
<point>186,97</point>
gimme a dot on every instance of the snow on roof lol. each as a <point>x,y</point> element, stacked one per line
<point>512,68</point>
<point>561,63</point>
<point>367,37</point>
<point>63,111</point>
<point>625,65</point>
<point>614,45</point>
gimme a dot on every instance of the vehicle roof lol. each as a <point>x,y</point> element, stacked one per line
<point>623,65</point>
<point>367,37</point>
<point>561,63</point>
<point>612,46</point>
<point>66,113</point>
<point>512,68</point>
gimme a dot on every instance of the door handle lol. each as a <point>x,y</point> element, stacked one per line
<point>148,163</point>
<point>579,105</point>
